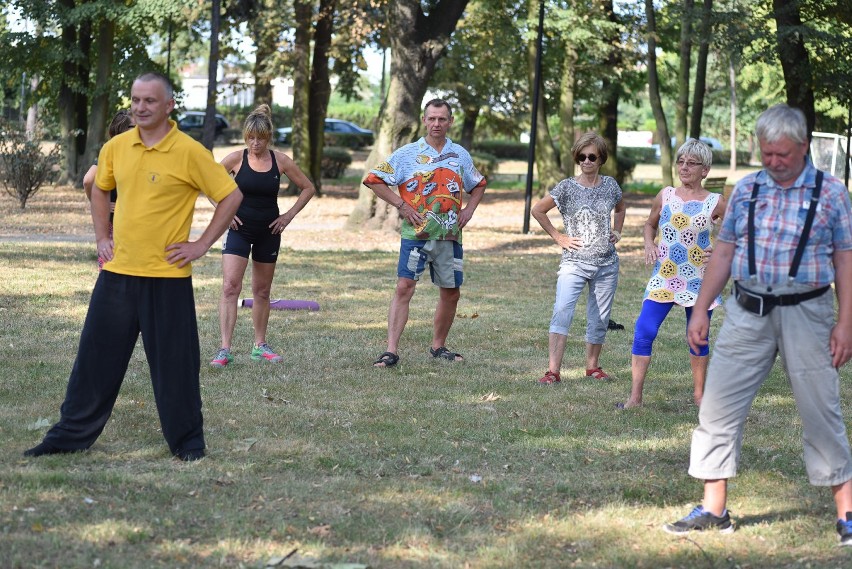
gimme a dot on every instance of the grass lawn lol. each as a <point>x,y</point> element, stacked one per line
<point>429,464</point>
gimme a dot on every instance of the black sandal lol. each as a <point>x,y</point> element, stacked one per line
<point>387,359</point>
<point>445,354</point>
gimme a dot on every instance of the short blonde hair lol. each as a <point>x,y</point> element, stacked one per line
<point>587,139</point>
<point>259,123</point>
<point>697,149</point>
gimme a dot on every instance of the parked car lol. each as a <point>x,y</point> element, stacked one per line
<point>194,120</point>
<point>337,133</point>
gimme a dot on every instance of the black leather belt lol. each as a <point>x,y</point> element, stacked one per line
<point>762,304</point>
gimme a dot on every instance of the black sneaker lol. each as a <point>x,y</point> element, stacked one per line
<point>43,448</point>
<point>844,529</point>
<point>699,520</point>
<point>191,455</point>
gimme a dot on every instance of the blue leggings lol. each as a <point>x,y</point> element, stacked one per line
<point>648,325</point>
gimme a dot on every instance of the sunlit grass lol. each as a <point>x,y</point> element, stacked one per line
<point>424,465</point>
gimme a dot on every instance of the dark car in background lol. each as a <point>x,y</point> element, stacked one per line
<point>337,133</point>
<point>194,121</point>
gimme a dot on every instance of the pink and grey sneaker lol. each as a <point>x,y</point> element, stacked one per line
<point>223,358</point>
<point>264,352</point>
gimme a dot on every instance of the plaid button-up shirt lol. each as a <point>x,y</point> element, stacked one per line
<point>779,219</point>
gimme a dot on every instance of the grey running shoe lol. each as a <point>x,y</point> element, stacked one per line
<point>844,529</point>
<point>699,520</point>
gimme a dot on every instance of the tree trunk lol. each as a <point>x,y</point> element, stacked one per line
<point>301,74</point>
<point>795,63</point>
<point>320,88</point>
<point>705,34</point>
<point>264,42</point>
<point>66,101</point>
<point>99,115</point>
<point>611,93</point>
<point>208,133</point>
<point>654,96</point>
<point>32,112</point>
<point>566,110</point>
<point>546,157</point>
<point>732,76</point>
<point>418,43</point>
<point>471,115</point>
<point>682,104</point>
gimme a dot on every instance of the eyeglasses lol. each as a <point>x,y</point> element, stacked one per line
<point>582,158</point>
<point>688,164</point>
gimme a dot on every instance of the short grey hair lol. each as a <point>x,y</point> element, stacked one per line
<point>696,148</point>
<point>782,121</point>
<point>164,81</point>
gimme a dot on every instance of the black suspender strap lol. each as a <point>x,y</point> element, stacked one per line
<point>752,266</point>
<point>806,230</point>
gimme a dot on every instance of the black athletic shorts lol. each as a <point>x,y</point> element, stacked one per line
<point>255,237</point>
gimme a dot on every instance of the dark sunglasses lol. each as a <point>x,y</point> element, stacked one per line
<point>582,158</point>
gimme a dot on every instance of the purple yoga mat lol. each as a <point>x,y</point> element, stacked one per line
<point>285,304</point>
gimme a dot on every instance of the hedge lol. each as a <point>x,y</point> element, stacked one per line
<point>484,162</point>
<point>503,149</point>
<point>335,160</point>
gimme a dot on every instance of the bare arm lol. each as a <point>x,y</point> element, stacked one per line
<point>187,251</point>
<point>306,191</point>
<point>840,343</point>
<point>475,197</point>
<point>649,230</point>
<point>717,274</point>
<point>620,212</point>
<point>89,181</point>
<point>100,219</point>
<point>231,163</point>
<point>384,192</point>
<point>539,212</point>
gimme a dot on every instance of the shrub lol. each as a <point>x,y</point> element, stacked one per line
<point>723,157</point>
<point>484,162</point>
<point>504,149</point>
<point>624,168</point>
<point>335,161</point>
<point>648,188</point>
<point>24,167</point>
<point>640,155</point>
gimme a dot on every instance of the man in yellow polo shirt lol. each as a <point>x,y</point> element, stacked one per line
<point>146,283</point>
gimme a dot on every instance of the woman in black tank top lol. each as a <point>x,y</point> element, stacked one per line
<point>256,231</point>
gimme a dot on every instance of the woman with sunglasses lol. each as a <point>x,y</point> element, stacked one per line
<point>683,216</point>
<point>586,202</point>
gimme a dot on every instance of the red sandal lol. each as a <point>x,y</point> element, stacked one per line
<point>550,378</point>
<point>598,374</point>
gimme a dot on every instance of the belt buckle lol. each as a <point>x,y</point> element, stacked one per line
<point>748,299</point>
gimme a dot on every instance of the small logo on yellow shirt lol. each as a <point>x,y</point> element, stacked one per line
<point>154,177</point>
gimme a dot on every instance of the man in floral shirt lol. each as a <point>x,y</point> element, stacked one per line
<point>431,174</point>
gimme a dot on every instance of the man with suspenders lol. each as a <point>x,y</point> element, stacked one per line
<point>787,235</point>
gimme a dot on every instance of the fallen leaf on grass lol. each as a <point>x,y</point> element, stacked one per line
<point>472,316</point>
<point>323,530</point>
<point>41,423</point>
<point>245,445</point>
<point>266,395</point>
<point>490,397</point>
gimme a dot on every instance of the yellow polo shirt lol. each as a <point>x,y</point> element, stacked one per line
<point>157,190</point>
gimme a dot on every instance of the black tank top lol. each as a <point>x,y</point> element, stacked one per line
<point>260,190</point>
